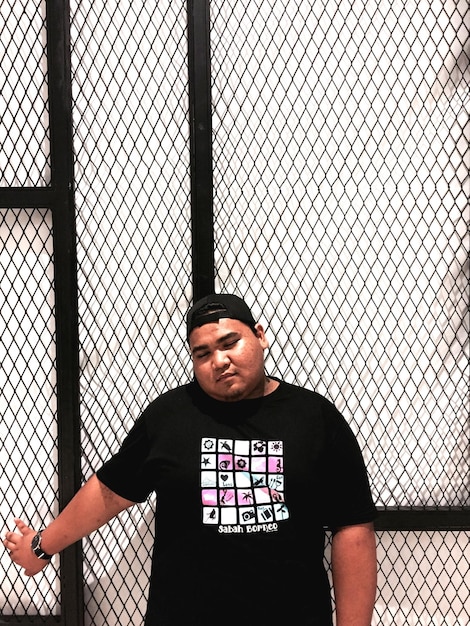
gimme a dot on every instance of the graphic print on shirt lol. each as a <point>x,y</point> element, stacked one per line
<point>242,485</point>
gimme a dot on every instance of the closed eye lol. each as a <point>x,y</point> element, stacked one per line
<point>229,344</point>
<point>226,342</point>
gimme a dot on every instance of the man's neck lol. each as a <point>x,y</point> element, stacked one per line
<point>270,385</point>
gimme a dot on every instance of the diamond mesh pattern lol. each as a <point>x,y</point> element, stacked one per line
<point>341,160</point>
<point>341,209</point>
<point>423,579</point>
<point>340,144</point>
<point>28,435</point>
<point>129,65</point>
<point>24,119</point>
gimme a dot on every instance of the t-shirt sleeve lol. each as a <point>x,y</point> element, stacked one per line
<point>347,493</point>
<point>126,473</point>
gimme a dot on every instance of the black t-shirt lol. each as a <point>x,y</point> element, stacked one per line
<point>244,493</point>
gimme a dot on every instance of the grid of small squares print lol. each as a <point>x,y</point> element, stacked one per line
<point>242,482</point>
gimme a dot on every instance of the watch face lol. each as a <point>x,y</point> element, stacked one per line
<point>36,548</point>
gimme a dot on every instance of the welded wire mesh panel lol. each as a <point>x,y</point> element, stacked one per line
<point>131,136</point>
<point>341,158</point>
<point>341,166</point>
<point>24,113</point>
<point>341,187</point>
<point>28,426</point>
<point>423,579</point>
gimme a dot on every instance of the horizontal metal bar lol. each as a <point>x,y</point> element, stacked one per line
<point>436,518</point>
<point>27,620</point>
<point>26,198</point>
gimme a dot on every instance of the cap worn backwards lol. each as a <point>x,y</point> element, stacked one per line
<point>215,306</point>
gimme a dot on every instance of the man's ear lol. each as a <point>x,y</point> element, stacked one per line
<point>259,332</point>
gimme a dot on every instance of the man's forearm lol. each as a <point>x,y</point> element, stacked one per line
<point>354,565</point>
<point>92,506</point>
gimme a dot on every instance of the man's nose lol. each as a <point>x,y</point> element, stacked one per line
<point>220,359</point>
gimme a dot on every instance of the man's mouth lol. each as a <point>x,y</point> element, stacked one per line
<point>225,376</point>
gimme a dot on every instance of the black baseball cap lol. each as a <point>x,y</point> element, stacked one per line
<point>215,306</point>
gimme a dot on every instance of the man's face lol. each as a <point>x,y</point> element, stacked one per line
<point>228,359</point>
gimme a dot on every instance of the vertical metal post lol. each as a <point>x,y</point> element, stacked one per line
<point>202,219</point>
<point>66,292</point>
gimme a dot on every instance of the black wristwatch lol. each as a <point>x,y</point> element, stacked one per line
<point>36,548</point>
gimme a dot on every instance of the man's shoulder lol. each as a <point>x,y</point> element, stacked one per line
<point>308,399</point>
<point>171,397</point>
<point>302,391</point>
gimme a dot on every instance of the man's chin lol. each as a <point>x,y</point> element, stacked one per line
<point>234,393</point>
<point>230,395</point>
<point>231,389</point>
<point>227,391</point>
<point>234,397</point>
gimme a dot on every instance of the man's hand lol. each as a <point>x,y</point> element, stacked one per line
<point>19,546</point>
<point>91,507</point>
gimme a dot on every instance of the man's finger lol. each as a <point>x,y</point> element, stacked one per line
<point>21,526</point>
<point>9,541</point>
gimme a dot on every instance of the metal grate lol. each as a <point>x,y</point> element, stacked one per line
<point>423,579</point>
<point>341,208</point>
<point>129,64</point>
<point>341,158</point>
<point>28,440</point>
<point>24,119</point>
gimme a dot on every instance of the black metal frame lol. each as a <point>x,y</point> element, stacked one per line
<point>59,198</point>
<point>452,518</point>
<point>202,220</point>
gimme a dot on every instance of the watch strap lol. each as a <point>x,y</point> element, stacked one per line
<point>36,548</point>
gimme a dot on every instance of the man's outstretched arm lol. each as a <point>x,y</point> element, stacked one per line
<point>92,506</point>
<point>354,565</point>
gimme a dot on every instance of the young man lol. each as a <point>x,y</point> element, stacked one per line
<point>248,472</point>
